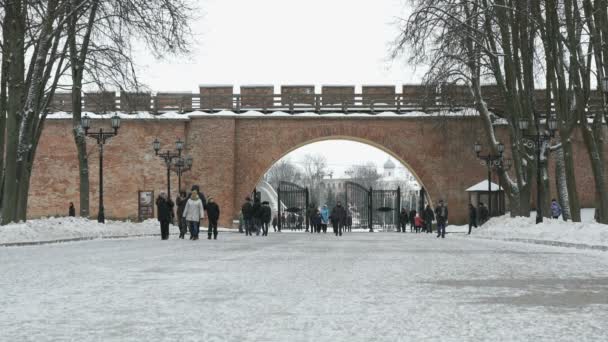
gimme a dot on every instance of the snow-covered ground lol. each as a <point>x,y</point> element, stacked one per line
<point>587,232</point>
<point>303,287</point>
<point>64,228</point>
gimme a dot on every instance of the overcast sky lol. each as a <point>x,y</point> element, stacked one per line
<point>286,42</point>
<point>290,42</point>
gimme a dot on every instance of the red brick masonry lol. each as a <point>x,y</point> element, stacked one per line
<point>232,153</point>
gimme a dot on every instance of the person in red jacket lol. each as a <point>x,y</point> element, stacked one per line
<point>419,223</point>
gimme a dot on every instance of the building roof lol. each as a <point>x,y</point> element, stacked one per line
<point>482,186</point>
<point>389,164</point>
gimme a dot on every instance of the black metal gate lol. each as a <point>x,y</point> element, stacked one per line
<point>293,202</point>
<point>369,208</point>
<point>358,205</point>
<point>385,208</point>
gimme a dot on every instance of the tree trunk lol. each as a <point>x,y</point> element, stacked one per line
<point>575,207</point>
<point>15,43</point>
<point>561,184</point>
<point>597,167</point>
<point>3,83</point>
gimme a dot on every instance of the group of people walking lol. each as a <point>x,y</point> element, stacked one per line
<point>423,221</point>
<point>191,210</point>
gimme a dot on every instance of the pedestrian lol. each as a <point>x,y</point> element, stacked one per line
<point>403,220</point>
<point>193,213</point>
<point>275,222</point>
<point>310,213</point>
<point>412,219</point>
<point>241,222</point>
<point>441,215</point>
<point>164,209</point>
<point>338,218</point>
<point>181,201</point>
<point>419,223</point>
<point>428,217</point>
<point>318,221</point>
<point>200,194</point>
<point>266,215</point>
<point>72,210</point>
<point>257,215</point>
<point>556,209</point>
<point>283,221</point>
<point>213,213</point>
<point>324,218</point>
<point>349,222</point>
<point>247,210</point>
<point>472,217</point>
<point>484,213</point>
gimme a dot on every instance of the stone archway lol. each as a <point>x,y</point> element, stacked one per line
<point>359,140</point>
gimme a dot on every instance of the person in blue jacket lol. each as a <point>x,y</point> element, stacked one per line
<point>556,209</point>
<point>324,218</point>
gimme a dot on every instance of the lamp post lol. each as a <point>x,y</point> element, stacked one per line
<point>101,137</point>
<point>538,141</point>
<point>505,165</point>
<point>491,161</point>
<point>180,166</point>
<point>168,157</point>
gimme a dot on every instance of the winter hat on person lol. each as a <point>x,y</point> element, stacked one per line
<point>195,187</point>
<point>210,199</point>
<point>247,198</point>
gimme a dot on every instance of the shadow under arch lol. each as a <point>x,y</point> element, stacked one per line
<point>423,183</point>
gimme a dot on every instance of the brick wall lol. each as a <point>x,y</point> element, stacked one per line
<point>231,154</point>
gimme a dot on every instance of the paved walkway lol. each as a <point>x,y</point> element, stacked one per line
<point>302,287</point>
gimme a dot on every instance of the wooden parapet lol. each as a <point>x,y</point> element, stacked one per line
<point>382,94</point>
<point>134,102</point>
<point>100,102</point>
<point>216,97</point>
<point>62,102</point>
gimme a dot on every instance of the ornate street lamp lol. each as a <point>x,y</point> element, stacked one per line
<point>490,161</point>
<point>168,157</point>
<point>538,141</point>
<point>101,136</point>
<point>180,166</point>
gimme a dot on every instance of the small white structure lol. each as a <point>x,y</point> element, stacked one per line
<point>479,193</point>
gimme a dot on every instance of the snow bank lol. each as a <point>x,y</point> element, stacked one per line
<point>64,228</point>
<point>587,232</point>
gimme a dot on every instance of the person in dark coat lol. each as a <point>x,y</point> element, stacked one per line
<point>412,219</point>
<point>441,215</point>
<point>484,213</point>
<point>349,222</point>
<point>472,217</point>
<point>403,220</point>
<point>428,217</point>
<point>72,210</point>
<point>213,213</point>
<point>247,210</point>
<point>317,221</point>
<point>310,213</point>
<point>266,215</point>
<point>164,208</point>
<point>257,215</point>
<point>283,222</point>
<point>275,222</point>
<point>181,201</point>
<point>338,218</point>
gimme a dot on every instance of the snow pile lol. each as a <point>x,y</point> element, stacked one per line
<point>587,232</point>
<point>62,228</point>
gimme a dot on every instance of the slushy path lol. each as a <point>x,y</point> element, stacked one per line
<point>302,287</point>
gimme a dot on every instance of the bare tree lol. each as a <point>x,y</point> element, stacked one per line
<point>100,36</point>
<point>365,174</point>
<point>42,40</point>
<point>314,170</point>
<point>283,170</point>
